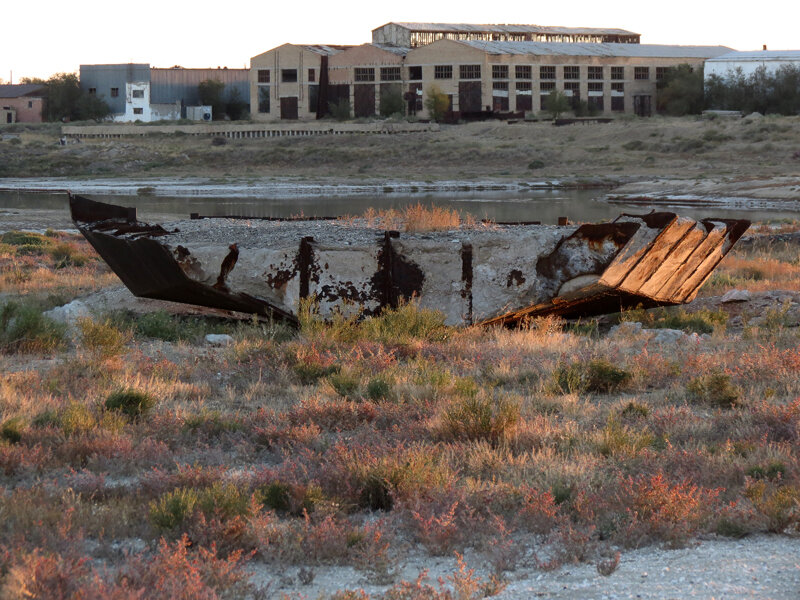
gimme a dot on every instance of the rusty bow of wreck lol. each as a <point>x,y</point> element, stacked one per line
<point>501,274</point>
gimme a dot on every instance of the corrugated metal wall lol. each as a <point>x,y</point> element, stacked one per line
<point>172,85</point>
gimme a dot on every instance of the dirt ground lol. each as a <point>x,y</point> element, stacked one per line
<point>624,151</point>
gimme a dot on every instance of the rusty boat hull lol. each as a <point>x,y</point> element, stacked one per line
<point>494,274</point>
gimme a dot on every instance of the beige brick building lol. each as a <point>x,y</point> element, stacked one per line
<point>481,78</point>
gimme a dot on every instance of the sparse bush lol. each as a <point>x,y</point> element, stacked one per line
<point>102,337</point>
<point>159,325</point>
<point>341,110</point>
<point>715,389</point>
<point>597,375</point>
<point>132,403</point>
<point>23,328</point>
<point>437,103</point>
<point>345,384</point>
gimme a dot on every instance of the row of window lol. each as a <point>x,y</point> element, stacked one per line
<point>115,92</point>
<point>367,74</point>
<point>549,86</point>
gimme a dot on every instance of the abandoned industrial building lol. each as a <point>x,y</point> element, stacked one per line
<point>479,77</point>
<point>413,35</point>
<point>138,92</point>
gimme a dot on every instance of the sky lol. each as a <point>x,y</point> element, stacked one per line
<point>38,39</point>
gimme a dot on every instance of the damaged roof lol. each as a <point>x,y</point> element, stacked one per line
<point>507,28</point>
<point>22,89</point>
<point>597,49</point>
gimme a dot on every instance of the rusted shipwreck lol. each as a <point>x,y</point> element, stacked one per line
<point>496,274</point>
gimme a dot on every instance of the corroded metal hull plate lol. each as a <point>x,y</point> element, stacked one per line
<point>487,274</point>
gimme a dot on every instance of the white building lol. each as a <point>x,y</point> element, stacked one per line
<point>748,62</point>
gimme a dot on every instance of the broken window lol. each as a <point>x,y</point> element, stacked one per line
<point>572,72</point>
<point>547,72</point>
<point>30,103</point>
<point>546,87</point>
<point>595,87</point>
<point>596,103</point>
<point>660,72</point>
<point>92,91</point>
<point>595,72</point>
<point>443,72</point>
<point>617,72</point>
<point>523,72</point>
<point>618,103</point>
<point>137,93</point>
<point>499,71</point>
<point>573,92</point>
<point>288,75</point>
<point>114,92</point>
<point>524,95</point>
<point>312,75</point>
<point>263,98</point>
<point>469,71</point>
<point>263,76</point>
<point>415,73</point>
<point>500,96</point>
<point>390,73</point>
<point>364,74</point>
<point>138,111</point>
<point>641,72</point>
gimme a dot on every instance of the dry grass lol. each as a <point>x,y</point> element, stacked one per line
<point>349,443</point>
<point>414,218</point>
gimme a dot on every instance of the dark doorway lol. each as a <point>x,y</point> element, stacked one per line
<point>289,108</point>
<point>364,100</point>
<point>641,106</point>
<point>469,97</point>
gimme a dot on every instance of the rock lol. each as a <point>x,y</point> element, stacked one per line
<point>69,313</point>
<point>626,329</point>
<point>754,115</point>
<point>736,296</point>
<point>666,336</point>
<point>218,339</point>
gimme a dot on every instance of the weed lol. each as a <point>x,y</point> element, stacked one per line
<point>132,403</point>
<point>345,384</point>
<point>699,321</point>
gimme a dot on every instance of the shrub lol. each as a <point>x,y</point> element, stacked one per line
<point>391,101</point>
<point>24,238</point>
<point>437,103</point>
<point>715,389</point>
<point>536,164</point>
<point>159,325</point>
<point>700,321</point>
<point>341,110</point>
<point>23,328</point>
<point>65,255</point>
<point>103,338</point>
<point>378,388</point>
<point>481,417</point>
<point>173,508</point>
<point>597,375</point>
<point>132,403</point>
<point>77,419</point>
<point>345,384</point>
<point>405,323</point>
<point>11,430</point>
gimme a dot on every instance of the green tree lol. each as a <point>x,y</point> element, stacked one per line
<point>556,103</point>
<point>680,91</point>
<point>66,101</point>
<point>437,103</point>
<point>392,100</point>
<point>235,107</point>
<point>210,92</point>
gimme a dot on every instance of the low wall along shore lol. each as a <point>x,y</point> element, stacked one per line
<point>248,130</point>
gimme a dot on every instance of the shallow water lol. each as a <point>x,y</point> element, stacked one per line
<point>545,206</point>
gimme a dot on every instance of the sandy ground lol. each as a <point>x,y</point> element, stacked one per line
<point>760,567</point>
